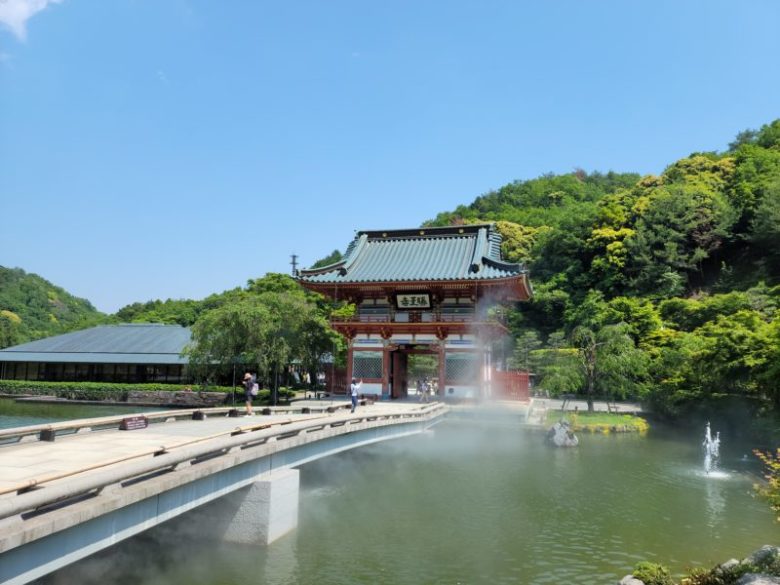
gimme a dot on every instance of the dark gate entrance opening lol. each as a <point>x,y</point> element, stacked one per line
<point>413,370</point>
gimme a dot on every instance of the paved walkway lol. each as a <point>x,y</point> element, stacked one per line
<point>582,405</point>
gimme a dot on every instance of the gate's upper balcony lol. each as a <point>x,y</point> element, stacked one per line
<point>389,315</point>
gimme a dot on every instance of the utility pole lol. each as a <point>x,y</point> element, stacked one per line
<point>294,263</point>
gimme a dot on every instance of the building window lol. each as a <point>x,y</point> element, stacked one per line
<point>82,372</point>
<point>121,373</point>
<point>462,368</point>
<point>174,373</point>
<point>367,364</point>
<point>54,372</point>
<point>19,374</point>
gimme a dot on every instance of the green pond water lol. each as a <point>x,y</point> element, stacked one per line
<point>474,502</point>
<point>17,414</point>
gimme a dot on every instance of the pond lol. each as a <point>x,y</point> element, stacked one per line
<point>474,502</point>
<point>18,414</point>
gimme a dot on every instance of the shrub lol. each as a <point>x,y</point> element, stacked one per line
<point>771,490</point>
<point>719,576</point>
<point>118,392</point>
<point>652,574</point>
<point>92,390</point>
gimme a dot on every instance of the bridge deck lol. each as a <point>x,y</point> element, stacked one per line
<point>70,489</point>
<point>28,464</point>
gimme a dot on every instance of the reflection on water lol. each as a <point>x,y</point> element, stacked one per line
<point>716,500</point>
<point>19,414</point>
<point>472,504</point>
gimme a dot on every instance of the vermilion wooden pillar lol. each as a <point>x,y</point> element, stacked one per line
<point>442,368</point>
<point>386,370</point>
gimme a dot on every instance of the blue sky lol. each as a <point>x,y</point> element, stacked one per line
<point>176,148</point>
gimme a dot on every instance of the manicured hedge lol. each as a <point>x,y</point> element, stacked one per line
<point>91,390</point>
<point>113,391</point>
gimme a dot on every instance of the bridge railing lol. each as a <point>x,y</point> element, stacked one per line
<point>37,496</point>
<point>49,431</point>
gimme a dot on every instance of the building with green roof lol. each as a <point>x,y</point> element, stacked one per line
<point>136,353</point>
<point>424,290</point>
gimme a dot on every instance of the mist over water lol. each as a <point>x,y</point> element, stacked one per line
<point>475,502</point>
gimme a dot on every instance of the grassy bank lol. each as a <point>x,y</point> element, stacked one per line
<point>600,422</point>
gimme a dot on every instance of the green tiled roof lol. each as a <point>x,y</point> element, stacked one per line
<point>137,343</point>
<point>470,252</point>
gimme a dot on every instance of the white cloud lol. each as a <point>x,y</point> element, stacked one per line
<point>14,14</point>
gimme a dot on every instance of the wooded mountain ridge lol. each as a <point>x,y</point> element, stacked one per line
<point>663,287</point>
<point>708,223</point>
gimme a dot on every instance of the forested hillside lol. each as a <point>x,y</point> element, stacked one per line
<point>32,307</point>
<point>663,287</point>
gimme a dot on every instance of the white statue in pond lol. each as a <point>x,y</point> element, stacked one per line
<point>561,435</point>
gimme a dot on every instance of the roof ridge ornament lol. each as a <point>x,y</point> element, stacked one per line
<point>354,255</point>
<point>480,249</point>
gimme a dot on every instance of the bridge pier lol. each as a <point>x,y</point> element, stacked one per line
<point>264,511</point>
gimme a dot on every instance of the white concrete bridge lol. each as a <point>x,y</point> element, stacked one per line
<point>68,490</point>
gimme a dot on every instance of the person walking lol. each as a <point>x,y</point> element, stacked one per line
<point>249,382</point>
<point>354,389</point>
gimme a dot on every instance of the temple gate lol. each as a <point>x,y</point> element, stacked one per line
<point>426,291</point>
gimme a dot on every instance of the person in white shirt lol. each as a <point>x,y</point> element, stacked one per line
<point>354,389</point>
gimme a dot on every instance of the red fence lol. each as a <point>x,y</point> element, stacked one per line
<point>511,385</point>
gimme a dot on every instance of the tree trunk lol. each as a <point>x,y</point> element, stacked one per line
<point>590,396</point>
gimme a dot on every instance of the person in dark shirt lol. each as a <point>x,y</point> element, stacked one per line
<point>249,382</point>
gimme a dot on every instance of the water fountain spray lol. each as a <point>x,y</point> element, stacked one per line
<point>711,450</point>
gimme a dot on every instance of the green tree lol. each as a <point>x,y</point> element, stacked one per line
<point>525,345</point>
<point>183,312</point>
<point>517,240</point>
<point>734,352</point>
<point>765,228</point>
<point>43,308</point>
<point>769,377</point>
<point>268,326</point>
<point>331,258</point>
<point>681,227</point>
<point>233,335</point>
<point>558,370</point>
<point>10,325</point>
<point>639,315</point>
<point>608,362</point>
<point>675,375</point>
<point>757,170</point>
